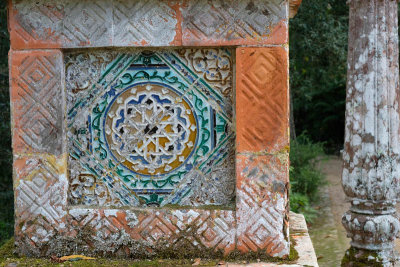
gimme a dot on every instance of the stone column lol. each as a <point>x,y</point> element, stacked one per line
<point>371,165</point>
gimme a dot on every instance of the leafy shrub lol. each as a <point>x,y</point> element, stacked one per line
<point>300,203</point>
<point>305,177</point>
<point>6,216</point>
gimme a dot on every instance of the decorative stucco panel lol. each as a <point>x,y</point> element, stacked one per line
<point>151,128</point>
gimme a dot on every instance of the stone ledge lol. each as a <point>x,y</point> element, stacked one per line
<point>304,246</point>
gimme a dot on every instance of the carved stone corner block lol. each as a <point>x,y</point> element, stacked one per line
<point>262,203</point>
<point>40,186</point>
<point>235,22</point>
<point>37,101</point>
<point>261,99</point>
<point>36,24</point>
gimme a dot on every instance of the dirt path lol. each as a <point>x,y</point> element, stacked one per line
<point>327,233</point>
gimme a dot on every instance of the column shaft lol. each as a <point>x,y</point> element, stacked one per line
<point>371,164</point>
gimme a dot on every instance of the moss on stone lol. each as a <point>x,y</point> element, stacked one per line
<point>359,258</point>
<point>175,256</point>
<point>7,250</point>
<point>7,257</point>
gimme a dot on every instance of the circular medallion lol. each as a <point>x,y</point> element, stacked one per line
<point>150,129</point>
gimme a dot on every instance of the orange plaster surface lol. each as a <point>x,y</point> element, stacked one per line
<point>176,6</point>
<point>36,100</point>
<point>261,99</point>
<point>23,38</point>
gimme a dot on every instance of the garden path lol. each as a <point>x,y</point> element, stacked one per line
<point>327,233</point>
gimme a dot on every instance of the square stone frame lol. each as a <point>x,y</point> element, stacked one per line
<point>44,222</point>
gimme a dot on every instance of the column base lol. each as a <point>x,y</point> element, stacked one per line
<point>355,257</point>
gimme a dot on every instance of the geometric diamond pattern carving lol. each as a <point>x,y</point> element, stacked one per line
<point>84,23</point>
<point>36,23</point>
<point>262,87</point>
<point>34,198</point>
<point>226,22</point>
<point>34,235</point>
<point>40,197</point>
<point>88,22</point>
<point>139,22</point>
<point>197,228</point>
<point>103,229</point>
<point>46,225</point>
<point>262,204</point>
<point>38,101</point>
<point>213,229</point>
<point>39,189</point>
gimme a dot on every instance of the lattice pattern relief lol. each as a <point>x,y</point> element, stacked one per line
<point>230,21</point>
<point>150,128</point>
<point>37,111</point>
<point>156,23</point>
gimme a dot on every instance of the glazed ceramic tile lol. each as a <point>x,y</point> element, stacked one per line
<point>150,128</point>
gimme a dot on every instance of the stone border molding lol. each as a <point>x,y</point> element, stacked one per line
<point>121,23</point>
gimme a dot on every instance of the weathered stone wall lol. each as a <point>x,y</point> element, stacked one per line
<point>49,221</point>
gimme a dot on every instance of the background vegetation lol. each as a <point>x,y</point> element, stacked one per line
<point>305,176</point>
<point>6,192</point>
<point>318,56</point>
<point>318,46</point>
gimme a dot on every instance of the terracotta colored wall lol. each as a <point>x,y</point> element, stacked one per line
<point>45,222</point>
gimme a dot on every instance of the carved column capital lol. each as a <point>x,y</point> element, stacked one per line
<point>370,231</point>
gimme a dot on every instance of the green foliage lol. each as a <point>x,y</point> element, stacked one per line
<point>6,193</point>
<point>305,177</point>
<point>300,203</point>
<point>304,174</point>
<point>6,215</point>
<point>318,55</point>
